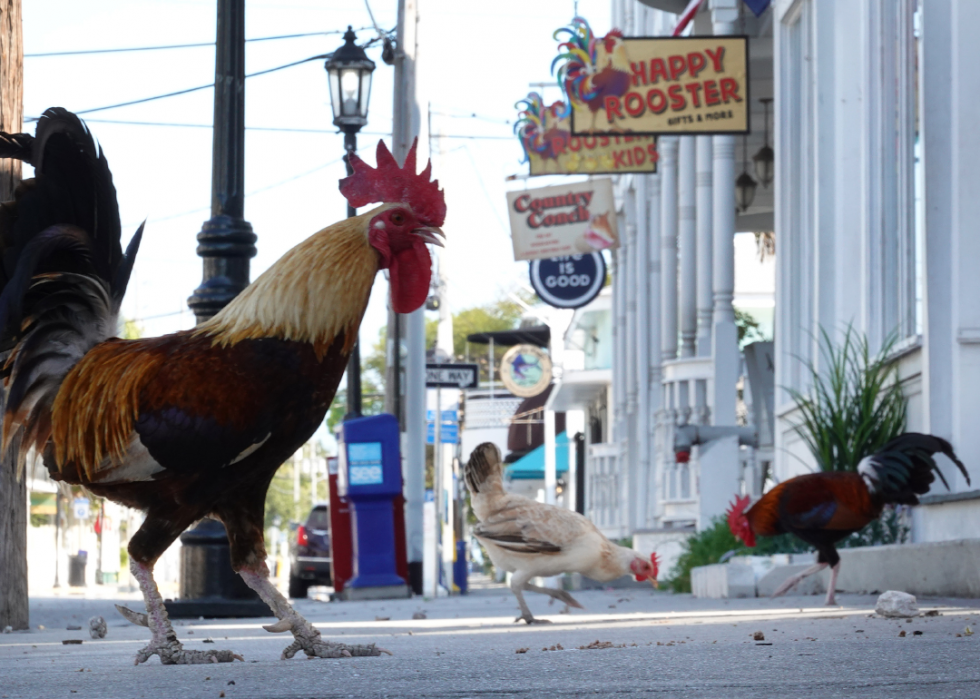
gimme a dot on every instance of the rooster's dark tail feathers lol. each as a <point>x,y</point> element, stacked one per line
<point>62,270</point>
<point>904,468</point>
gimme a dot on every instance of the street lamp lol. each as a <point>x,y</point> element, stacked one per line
<point>765,158</point>
<point>744,185</point>
<point>349,75</point>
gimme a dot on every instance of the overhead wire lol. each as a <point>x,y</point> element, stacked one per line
<point>88,52</point>
<point>209,85</point>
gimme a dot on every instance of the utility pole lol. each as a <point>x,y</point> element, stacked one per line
<point>13,491</point>
<point>412,419</point>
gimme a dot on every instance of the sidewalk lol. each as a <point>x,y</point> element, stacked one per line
<point>650,644</point>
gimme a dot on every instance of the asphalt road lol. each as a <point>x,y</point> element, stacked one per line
<point>643,644</point>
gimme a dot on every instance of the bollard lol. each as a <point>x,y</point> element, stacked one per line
<point>208,586</point>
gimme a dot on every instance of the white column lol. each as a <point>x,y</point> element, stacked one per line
<point>619,393</point>
<point>668,247</point>
<point>654,389</point>
<point>632,286</point>
<point>725,340</point>
<point>686,239</point>
<point>643,416</point>
<point>705,256</point>
<point>549,457</point>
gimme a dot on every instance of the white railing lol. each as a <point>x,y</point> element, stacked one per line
<point>607,490</point>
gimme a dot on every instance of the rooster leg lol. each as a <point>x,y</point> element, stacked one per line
<point>519,583</point>
<point>164,642</point>
<point>795,580</point>
<point>305,635</point>
<point>560,595</point>
<point>832,585</point>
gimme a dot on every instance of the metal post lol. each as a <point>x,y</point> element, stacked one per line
<point>354,361</point>
<point>437,477</point>
<point>226,241</point>
<point>406,125</point>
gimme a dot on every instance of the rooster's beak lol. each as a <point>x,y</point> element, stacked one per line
<point>655,583</point>
<point>429,233</point>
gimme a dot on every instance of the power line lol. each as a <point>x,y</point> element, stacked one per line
<point>210,85</point>
<point>87,52</point>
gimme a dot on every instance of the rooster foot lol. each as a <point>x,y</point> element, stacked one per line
<point>531,620</point>
<point>568,599</point>
<point>307,639</point>
<point>133,617</point>
<point>171,652</point>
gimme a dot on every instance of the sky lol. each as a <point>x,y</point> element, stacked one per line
<point>476,60</point>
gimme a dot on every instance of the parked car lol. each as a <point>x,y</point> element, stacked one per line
<point>309,553</point>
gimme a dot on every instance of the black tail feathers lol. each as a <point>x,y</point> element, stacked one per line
<point>484,464</point>
<point>904,468</point>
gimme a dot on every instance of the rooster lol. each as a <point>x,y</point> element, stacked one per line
<point>193,424</point>
<point>823,508</point>
<point>541,129</point>
<point>529,539</point>
<point>594,68</point>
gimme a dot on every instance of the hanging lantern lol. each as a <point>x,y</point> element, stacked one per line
<point>744,185</point>
<point>765,158</point>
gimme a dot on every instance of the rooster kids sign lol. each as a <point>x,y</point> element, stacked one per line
<point>567,219</point>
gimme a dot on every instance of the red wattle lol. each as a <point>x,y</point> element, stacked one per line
<point>409,276</point>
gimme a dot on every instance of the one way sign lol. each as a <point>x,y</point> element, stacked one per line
<point>452,376</point>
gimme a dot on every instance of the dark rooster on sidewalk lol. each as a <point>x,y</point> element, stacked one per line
<point>195,423</point>
<point>824,508</point>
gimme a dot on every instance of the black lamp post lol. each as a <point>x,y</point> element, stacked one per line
<point>226,241</point>
<point>349,74</point>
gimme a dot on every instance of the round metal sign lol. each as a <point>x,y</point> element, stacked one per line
<point>570,281</point>
<point>525,370</point>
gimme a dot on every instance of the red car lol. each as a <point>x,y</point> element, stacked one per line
<point>309,554</point>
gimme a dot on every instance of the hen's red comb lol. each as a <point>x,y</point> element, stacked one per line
<point>391,184</point>
<point>735,511</point>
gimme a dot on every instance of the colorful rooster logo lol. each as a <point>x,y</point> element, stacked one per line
<point>539,129</point>
<point>593,68</point>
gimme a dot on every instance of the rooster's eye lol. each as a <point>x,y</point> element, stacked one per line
<point>397,218</point>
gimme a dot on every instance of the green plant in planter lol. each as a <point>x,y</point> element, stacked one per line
<point>855,405</point>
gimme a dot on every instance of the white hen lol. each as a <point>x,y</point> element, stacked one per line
<point>529,539</point>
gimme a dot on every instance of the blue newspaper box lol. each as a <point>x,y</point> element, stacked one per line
<point>371,478</point>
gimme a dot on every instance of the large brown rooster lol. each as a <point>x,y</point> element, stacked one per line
<point>824,508</point>
<point>196,423</point>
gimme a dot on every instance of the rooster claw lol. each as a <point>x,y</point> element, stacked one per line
<point>324,649</point>
<point>133,617</point>
<point>280,626</point>
<point>531,620</point>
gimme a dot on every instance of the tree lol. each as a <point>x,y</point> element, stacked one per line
<point>13,489</point>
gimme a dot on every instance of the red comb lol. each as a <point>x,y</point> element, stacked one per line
<point>735,511</point>
<point>391,184</point>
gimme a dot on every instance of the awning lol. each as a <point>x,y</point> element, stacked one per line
<point>538,335</point>
<point>577,389</point>
<point>531,465</point>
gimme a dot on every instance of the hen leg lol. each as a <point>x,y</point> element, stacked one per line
<point>305,635</point>
<point>560,595</point>
<point>244,520</point>
<point>795,580</point>
<point>832,585</point>
<point>518,583</point>
<point>147,544</point>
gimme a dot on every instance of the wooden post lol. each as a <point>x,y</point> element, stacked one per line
<point>13,492</point>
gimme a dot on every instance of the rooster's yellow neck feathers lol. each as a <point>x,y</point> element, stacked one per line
<point>315,292</point>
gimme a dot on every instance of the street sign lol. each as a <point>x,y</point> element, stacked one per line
<point>447,416</point>
<point>448,434</point>
<point>80,507</point>
<point>570,281</point>
<point>452,376</point>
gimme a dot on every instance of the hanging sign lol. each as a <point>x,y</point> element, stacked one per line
<point>654,85</point>
<point>570,281</point>
<point>550,148</point>
<point>566,219</point>
<point>525,370</point>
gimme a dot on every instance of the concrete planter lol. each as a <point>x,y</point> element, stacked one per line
<point>937,569</point>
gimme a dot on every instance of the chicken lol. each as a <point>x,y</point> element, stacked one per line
<point>196,423</point>
<point>530,539</point>
<point>594,68</point>
<point>824,508</point>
